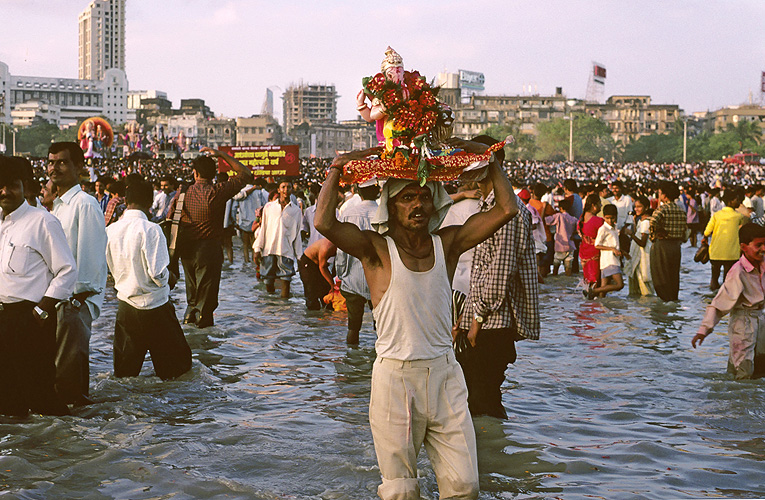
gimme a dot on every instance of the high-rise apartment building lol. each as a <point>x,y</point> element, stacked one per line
<point>102,38</point>
<point>311,104</point>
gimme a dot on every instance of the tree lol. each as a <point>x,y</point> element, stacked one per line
<point>36,138</point>
<point>592,139</point>
<point>524,147</point>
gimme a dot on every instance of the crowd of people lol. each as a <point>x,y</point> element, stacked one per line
<point>479,249</point>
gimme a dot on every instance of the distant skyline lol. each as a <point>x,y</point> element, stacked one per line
<point>700,55</point>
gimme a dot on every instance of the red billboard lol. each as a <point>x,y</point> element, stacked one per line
<point>763,82</point>
<point>265,161</point>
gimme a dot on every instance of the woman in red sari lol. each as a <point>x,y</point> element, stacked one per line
<point>588,229</point>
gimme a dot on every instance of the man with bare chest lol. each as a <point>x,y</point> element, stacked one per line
<point>418,390</point>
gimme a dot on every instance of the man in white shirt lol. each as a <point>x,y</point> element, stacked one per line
<point>353,283</point>
<point>162,199</point>
<point>246,204</point>
<point>278,241</point>
<point>137,256</point>
<point>625,205</point>
<point>37,270</point>
<point>84,227</point>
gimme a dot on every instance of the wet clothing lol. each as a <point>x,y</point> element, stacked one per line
<point>315,286</point>
<point>155,330</point>
<point>743,296</point>
<point>418,390</point>
<point>138,258</point>
<point>665,268</point>
<point>204,209</point>
<point>35,262</point>
<point>667,232</point>
<point>81,217</point>
<point>422,402</point>
<point>505,291</point>
<point>590,255</point>
<point>27,368</point>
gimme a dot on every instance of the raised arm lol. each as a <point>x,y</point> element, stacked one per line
<point>235,165</point>
<point>346,236</point>
<point>482,225</point>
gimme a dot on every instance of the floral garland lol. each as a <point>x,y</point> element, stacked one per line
<point>413,116</point>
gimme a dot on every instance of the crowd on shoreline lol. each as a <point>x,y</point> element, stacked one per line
<point>635,176</point>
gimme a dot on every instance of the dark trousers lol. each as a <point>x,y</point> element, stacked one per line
<point>484,367</point>
<point>314,284</point>
<point>665,268</point>
<point>73,351</point>
<point>202,264</point>
<point>355,305</point>
<point>27,366</point>
<point>155,330</point>
<point>716,266</point>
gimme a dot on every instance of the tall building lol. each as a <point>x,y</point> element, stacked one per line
<point>102,38</point>
<point>311,104</point>
<point>76,99</point>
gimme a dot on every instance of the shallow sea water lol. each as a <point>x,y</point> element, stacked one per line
<point>612,402</point>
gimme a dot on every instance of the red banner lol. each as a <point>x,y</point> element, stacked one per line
<point>599,71</point>
<point>763,81</point>
<point>265,161</point>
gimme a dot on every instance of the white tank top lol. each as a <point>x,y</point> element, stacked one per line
<point>414,315</point>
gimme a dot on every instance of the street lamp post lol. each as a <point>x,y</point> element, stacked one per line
<point>685,139</point>
<point>570,118</point>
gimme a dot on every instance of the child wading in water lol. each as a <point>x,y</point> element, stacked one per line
<point>607,241</point>
<point>743,296</point>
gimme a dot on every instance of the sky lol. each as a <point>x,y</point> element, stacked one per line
<point>701,55</point>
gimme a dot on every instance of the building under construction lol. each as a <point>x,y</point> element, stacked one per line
<point>311,104</point>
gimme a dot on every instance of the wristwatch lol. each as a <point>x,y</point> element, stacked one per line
<point>41,313</point>
<point>478,318</point>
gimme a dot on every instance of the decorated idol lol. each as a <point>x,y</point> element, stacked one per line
<point>412,128</point>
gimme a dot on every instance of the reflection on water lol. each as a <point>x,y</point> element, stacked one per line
<point>611,403</point>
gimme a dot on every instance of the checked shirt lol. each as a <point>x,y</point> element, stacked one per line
<point>668,222</point>
<point>503,280</point>
<point>204,206</point>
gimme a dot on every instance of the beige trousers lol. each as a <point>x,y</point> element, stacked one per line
<point>422,402</point>
<point>746,336</point>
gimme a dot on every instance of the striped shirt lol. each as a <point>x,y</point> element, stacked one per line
<point>503,281</point>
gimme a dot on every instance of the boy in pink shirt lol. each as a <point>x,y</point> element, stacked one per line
<point>743,296</point>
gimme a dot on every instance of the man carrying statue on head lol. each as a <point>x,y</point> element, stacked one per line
<point>418,395</point>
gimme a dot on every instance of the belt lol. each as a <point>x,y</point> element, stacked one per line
<point>10,306</point>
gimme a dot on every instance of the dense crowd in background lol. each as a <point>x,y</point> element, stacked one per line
<point>637,177</point>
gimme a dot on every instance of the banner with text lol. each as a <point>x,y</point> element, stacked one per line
<point>265,161</point>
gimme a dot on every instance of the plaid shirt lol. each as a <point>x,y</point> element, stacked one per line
<point>204,206</point>
<point>503,281</point>
<point>669,222</point>
<point>111,214</point>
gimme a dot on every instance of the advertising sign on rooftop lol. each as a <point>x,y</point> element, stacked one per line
<point>471,80</point>
<point>265,161</point>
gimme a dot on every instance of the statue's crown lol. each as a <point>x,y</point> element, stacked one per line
<point>392,60</point>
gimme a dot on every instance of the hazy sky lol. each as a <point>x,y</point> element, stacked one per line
<point>701,55</point>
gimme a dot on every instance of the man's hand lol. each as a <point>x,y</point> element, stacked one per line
<point>172,279</point>
<point>47,304</point>
<point>469,146</point>
<point>472,334</point>
<point>82,296</point>
<point>341,160</point>
<point>698,339</point>
<point>211,152</point>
